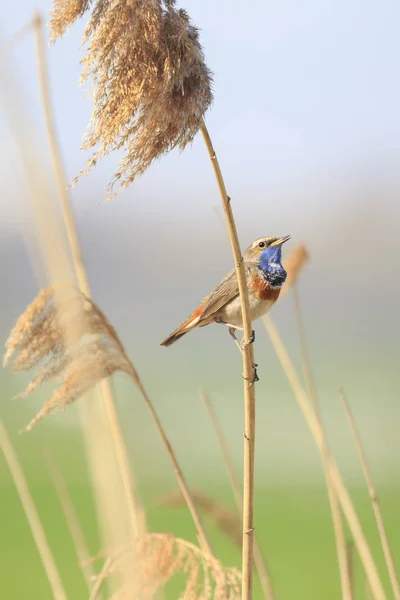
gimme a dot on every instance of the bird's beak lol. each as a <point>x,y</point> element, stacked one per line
<point>280,241</point>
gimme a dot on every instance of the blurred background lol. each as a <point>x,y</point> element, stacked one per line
<point>306,125</point>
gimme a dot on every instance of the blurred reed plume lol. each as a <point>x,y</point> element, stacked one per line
<point>294,264</point>
<point>151,84</point>
<point>225,519</point>
<point>160,556</point>
<point>92,352</point>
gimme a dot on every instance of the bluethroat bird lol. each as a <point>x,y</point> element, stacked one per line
<point>265,276</point>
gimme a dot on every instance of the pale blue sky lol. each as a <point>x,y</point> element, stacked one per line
<point>302,91</point>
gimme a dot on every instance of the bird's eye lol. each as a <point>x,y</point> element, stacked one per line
<point>261,244</point>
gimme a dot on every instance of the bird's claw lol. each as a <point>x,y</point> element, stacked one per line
<point>255,377</point>
<point>251,340</point>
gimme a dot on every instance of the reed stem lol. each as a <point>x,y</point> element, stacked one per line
<point>71,517</point>
<point>259,562</point>
<point>32,516</point>
<point>248,375</point>
<point>340,539</point>
<point>374,499</point>
<point>200,531</point>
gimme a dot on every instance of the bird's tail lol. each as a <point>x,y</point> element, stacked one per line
<point>174,337</point>
<point>186,326</point>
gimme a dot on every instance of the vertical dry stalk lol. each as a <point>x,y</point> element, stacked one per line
<point>325,454</point>
<point>261,567</point>
<point>81,274</point>
<point>248,373</point>
<point>340,488</point>
<point>350,564</point>
<point>81,549</point>
<point>374,498</point>
<point>32,516</point>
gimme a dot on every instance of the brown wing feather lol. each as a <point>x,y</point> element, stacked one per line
<point>221,295</point>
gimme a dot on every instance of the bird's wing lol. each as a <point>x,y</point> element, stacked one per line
<point>221,295</point>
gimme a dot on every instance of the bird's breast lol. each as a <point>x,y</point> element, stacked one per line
<point>263,290</point>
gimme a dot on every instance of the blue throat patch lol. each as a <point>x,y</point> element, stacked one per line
<point>271,266</point>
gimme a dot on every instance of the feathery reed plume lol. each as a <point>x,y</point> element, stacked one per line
<point>91,353</point>
<point>318,433</point>
<point>71,517</point>
<point>38,338</point>
<point>32,516</point>
<point>151,84</point>
<point>224,518</point>
<point>374,498</point>
<point>294,264</point>
<point>160,556</point>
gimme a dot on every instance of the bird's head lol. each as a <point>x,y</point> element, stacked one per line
<point>266,254</point>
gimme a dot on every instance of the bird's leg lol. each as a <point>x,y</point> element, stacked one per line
<point>232,328</point>
<point>233,336</point>
<point>241,347</point>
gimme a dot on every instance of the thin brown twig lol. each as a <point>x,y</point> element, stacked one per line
<point>261,567</point>
<point>81,274</point>
<point>71,517</point>
<point>374,498</point>
<point>32,516</point>
<point>325,454</point>
<point>318,434</point>
<point>248,374</point>
<point>201,534</point>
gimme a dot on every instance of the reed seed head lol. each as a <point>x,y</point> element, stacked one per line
<point>68,337</point>
<point>151,84</point>
<point>160,556</point>
<point>224,518</point>
<point>295,263</point>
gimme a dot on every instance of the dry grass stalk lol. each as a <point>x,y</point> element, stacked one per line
<point>151,84</point>
<point>32,516</point>
<point>259,562</point>
<point>224,518</point>
<point>79,363</point>
<point>74,526</point>
<point>161,556</point>
<point>374,498</point>
<point>294,265</point>
<point>334,474</point>
<point>350,565</point>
